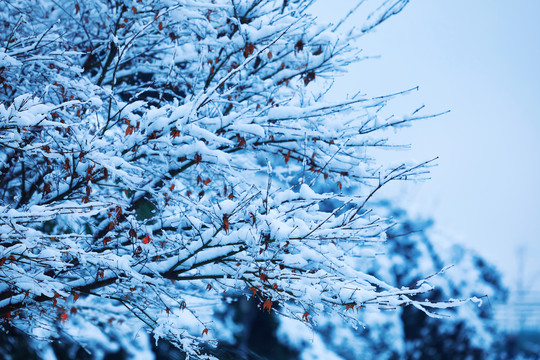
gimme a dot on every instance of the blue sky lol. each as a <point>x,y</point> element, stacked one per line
<point>481,60</point>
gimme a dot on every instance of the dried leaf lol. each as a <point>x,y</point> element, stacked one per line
<point>63,317</point>
<point>267,305</point>
<point>226,223</point>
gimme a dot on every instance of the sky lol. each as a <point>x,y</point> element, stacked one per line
<point>479,59</point>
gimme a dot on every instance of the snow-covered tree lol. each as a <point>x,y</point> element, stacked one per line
<point>415,249</point>
<point>158,158</point>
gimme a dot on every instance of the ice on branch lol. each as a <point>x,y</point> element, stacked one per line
<point>159,158</point>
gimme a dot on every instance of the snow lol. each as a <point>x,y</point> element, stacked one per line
<point>236,176</point>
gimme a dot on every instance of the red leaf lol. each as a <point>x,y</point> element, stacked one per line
<point>75,296</point>
<point>160,25</point>
<point>267,305</point>
<point>205,332</point>
<point>146,240</point>
<point>138,251</point>
<point>63,317</point>
<point>226,222</point>
<point>77,8</point>
<point>254,289</point>
<point>241,142</point>
<point>248,50</point>
<point>207,181</point>
<point>349,306</point>
<point>305,316</point>
<point>288,156</point>
<point>208,287</point>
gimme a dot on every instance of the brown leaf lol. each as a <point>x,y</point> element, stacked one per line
<point>226,223</point>
<point>299,46</point>
<point>267,305</point>
<point>63,317</point>
<point>248,50</point>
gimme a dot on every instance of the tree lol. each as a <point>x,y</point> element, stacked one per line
<point>161,157</point>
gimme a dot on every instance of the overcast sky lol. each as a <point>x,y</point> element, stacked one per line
<point>481,60</point>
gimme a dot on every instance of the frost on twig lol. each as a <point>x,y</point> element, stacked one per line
<point>155,159</point>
